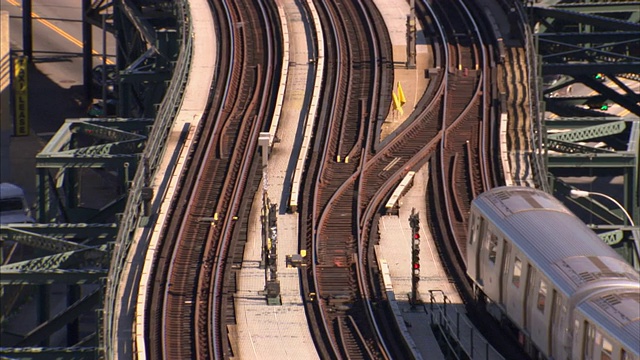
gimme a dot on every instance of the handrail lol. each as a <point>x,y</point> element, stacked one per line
<point>537,134</point>
<point>152,155</point>
<point>458,332</point>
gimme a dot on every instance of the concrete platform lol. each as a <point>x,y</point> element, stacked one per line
<point>413,81</point>
<point>270,331</point>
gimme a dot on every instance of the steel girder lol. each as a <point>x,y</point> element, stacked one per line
<point>48,353</point>
<point>64,250</point>
<point>111,146</point>
<point>593,45</point>
<point>70,254</point>
<point>147,48</point>
<point>146,34</point>
<point>580,40</point>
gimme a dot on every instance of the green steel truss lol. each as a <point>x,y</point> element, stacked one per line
<point>88,148</point>
<point>70,247</point>
<point>593,45</point>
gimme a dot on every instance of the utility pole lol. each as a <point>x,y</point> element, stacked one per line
<point>414,221</point>
<point>411,35</point>
<point>27,30</point>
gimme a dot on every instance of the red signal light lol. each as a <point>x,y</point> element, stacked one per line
<point>416,236</point>
<point>416,265</point>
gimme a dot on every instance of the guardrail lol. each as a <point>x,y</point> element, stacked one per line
<point>152,155</point>
<point>537,134</point>
<point>458,335</point>
<point>313,109</point>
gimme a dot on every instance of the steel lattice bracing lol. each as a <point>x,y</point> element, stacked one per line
<point>589,55</point>
<point>83,179</point>
<point>67,254</point>
<point>110,148</point>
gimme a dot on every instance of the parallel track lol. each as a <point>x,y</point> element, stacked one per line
<point>344,319</point>
<point>185,310</point>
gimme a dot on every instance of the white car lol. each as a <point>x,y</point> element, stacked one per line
<point>13,205</point>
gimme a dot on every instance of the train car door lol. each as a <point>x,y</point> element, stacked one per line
<point>526,308</point>
<point>553,332</point>
<point>504,281</point>
<point>538,321</point>
<point>482,238</point>
<point>588,341</point>
<point>473,249</point>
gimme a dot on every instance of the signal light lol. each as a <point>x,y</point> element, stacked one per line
<point>416,236</point>
<point>416,265</point>
<point>604,107</point>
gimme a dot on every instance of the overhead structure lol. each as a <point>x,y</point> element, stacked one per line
<point>589,57</point>
<point>57,268</point>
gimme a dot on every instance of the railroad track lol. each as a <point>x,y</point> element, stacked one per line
<point>343,318</point>
<point>187,294</point>
<point>463,171</point>
<point>347,198</point>
<point>463,161</point>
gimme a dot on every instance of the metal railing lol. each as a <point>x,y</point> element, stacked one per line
<point>538,155</point>
<point>152,155</point>
<point>456,334</point>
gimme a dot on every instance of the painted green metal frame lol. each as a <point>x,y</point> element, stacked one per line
<point>575,42</point>
<point>71,244</point>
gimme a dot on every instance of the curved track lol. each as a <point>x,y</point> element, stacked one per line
<point>185,309</point>
<point>355,44</point>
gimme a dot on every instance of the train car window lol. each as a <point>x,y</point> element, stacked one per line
<point>493,248</point>
<point>542,295</point>
<point>588,343</point>
<point>607,349</point>
<point>517,272</point>
<point>623,355</point>
<point>475,230</point>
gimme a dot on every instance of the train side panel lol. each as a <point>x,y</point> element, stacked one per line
<point>474,242</point>
<point>515,288</point>
<point>560,287</point>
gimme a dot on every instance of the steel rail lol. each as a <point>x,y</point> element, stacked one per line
<point>216,338</point>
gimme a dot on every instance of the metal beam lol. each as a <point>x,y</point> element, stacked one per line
<point>46,329</point>
<point>589,38</point>
<point>39,241</point>
<point>628,101</point>
<point>589,68</point>
<point>601,22</point>
<point>580,122</point>
<point>87,232</point>
<point>567,147</point>
<point>97,257</point>
<point>87,161</point>
<point>621,159</point>
<point>47,277</point>
<point>599,210</point>
<point>601,8</point>
<point>590,132</point>
<point>48,353</point>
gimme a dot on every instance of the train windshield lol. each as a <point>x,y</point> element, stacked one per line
<point>11,204</point>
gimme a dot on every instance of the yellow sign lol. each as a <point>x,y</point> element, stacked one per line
<point>401,97</point>
<point>21,91</point>
<point>396,104</point>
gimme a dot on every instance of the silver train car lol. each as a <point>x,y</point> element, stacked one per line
<point>548,277</point>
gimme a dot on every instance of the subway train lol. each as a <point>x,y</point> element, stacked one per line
<point>550,279</point>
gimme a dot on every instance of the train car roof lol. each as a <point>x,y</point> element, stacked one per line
<point>570,254</point>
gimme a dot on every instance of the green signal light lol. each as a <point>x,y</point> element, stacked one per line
<point>598,76</point>
<point>604,107</point>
